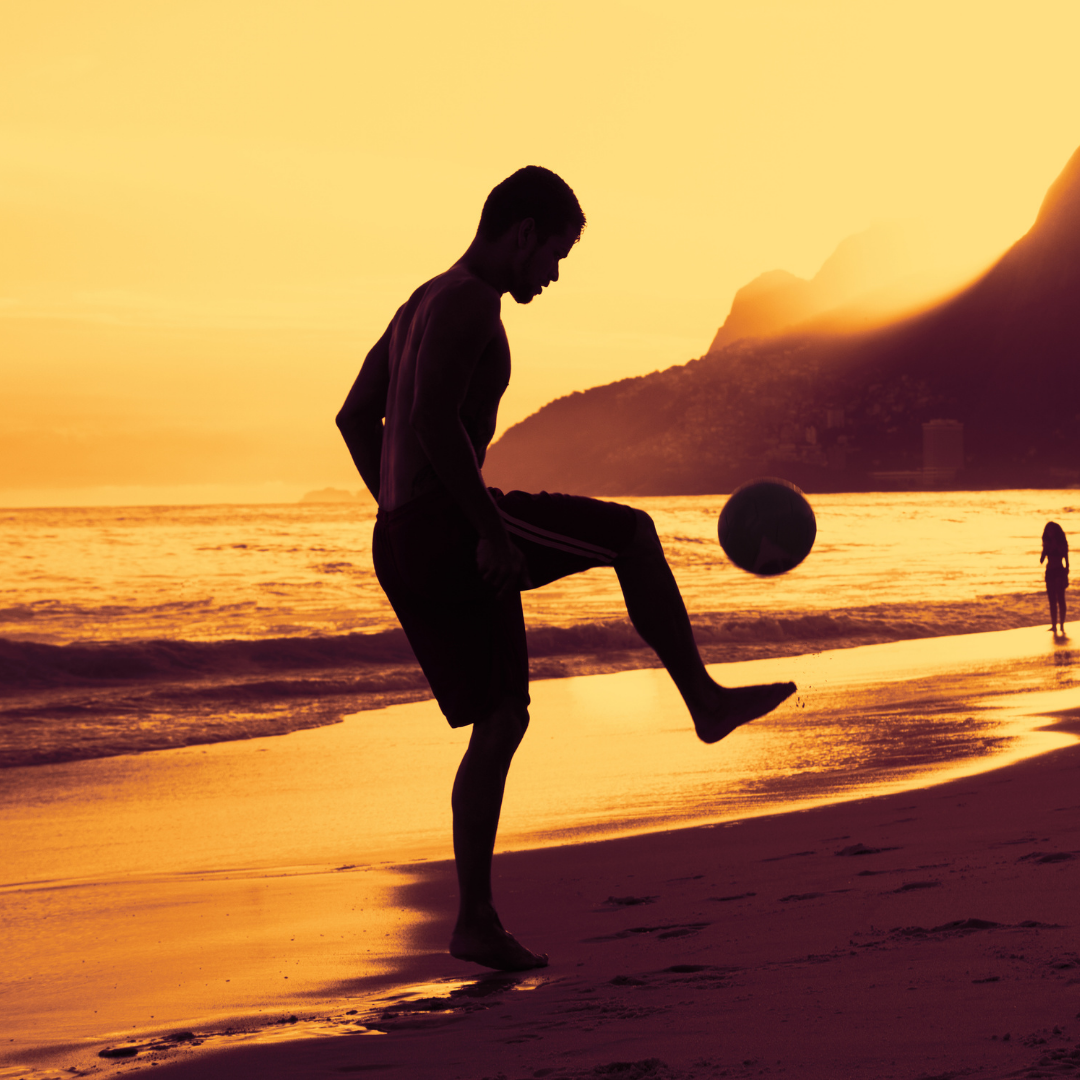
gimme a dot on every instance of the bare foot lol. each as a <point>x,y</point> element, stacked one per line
<point>737,706</point>
<point>494,948</point>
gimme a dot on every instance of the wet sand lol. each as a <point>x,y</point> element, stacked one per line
<point>721,950</point>
<point>923,934</point>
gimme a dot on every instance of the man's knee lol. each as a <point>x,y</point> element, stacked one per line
<point>645,537</point>
<point>504,728</point>
<point>514,716</point>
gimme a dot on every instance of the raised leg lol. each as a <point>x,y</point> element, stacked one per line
<point>658,613</point>
<point>477,802</point>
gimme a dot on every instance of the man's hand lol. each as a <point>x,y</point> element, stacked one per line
<point>502,566</point>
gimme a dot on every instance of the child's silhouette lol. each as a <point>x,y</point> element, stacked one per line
<point>1055,550</point>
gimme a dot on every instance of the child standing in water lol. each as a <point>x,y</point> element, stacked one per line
<point>1055,550</point>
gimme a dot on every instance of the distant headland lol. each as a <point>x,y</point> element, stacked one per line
<point>334,495</point>
<point>981,390</point>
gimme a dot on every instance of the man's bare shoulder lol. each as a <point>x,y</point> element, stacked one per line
<point>459,296</point>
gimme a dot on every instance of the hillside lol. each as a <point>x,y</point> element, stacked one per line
<point>829,410</point>
<point>869,278</point>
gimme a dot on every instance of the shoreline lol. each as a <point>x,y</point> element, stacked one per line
<point>146,712</point>
<point>962,892</point>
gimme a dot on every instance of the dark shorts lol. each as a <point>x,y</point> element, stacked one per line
<point>470,642</point>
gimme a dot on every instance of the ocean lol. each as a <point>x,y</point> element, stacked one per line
<point>138,628</point>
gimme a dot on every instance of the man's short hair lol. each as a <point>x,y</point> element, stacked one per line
<point>533,192</point>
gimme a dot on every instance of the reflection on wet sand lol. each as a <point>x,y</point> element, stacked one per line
<point>598,762</point>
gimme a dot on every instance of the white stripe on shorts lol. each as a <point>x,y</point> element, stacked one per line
<point>555,540</point>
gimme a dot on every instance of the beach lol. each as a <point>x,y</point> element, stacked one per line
<point>179,909</point>
<point>925,934</point>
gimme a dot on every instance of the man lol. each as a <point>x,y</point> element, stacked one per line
<point>453,555</point>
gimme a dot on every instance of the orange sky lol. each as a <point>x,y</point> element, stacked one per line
<point>210,210</point>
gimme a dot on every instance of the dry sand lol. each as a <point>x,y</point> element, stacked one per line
<point>923,934</point>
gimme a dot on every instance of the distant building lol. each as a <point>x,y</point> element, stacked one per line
<point>943,450</point>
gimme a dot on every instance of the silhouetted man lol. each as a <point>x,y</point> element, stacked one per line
<point>453,554</point>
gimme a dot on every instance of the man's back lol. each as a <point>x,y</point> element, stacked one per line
<point>446,339</point>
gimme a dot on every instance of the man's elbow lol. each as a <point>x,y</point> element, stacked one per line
<point>350,418</point>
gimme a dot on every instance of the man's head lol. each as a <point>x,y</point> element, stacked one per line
<point>532,217</point>
<point>532,192</point>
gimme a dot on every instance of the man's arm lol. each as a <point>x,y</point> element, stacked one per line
<point>463,323</point>
<point>360,420</point>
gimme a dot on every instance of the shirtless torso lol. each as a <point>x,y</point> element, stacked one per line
<point>406,471</point>
<point>437,375</point>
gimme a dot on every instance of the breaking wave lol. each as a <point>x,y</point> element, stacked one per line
<point>85,700</point>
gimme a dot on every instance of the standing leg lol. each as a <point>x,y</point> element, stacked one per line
<point>1061,611</point>
<point>658,613</point>
<point>477,802</point>
<point>1051,594</point>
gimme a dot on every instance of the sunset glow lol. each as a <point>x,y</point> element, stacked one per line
<point>210,211</point>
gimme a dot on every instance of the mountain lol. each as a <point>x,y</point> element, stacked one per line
<point>1004,355</point>
<point>843,410</point>
<point>871,273</point>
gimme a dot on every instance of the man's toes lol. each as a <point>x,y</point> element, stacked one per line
<point>498,950</point>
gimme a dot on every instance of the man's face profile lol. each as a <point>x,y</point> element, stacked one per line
<point>538,266</point>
